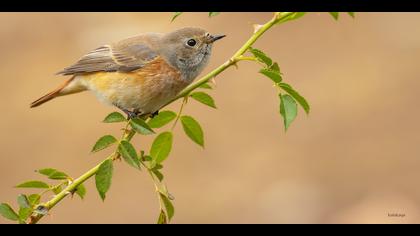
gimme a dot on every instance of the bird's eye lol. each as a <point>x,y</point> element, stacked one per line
<point>191,42</point>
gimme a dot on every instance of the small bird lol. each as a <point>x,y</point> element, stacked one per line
<point>140,74</point>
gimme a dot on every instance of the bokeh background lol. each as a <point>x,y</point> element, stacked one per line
<point>354,159</point>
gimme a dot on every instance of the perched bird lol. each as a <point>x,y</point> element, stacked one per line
<point>141,74</point>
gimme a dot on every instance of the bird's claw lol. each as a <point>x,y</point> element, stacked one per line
<point>154,114</point>
<point>131,114</point>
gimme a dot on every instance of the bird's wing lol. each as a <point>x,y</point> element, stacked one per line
<point>110,58</point>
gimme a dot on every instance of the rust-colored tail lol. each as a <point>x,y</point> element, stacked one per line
<point>51,95</point>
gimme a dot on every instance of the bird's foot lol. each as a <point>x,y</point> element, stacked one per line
<point>154,114</point>
<point>131,114</point>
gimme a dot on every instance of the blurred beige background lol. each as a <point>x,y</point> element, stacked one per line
<point>354,159</point>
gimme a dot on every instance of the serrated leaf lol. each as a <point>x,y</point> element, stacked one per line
<point>203,98</point>
<point>275,67</point>
<point>161,147</point>
<point>162,218</point>
<point>205,86</point>
<point>334,15</point>
<point>53,173</point>
<point>140,126</point>
<point>57,189</point>
<point>193,129</point>
<point>24,213</point>
<point>46,171</point>
<point>58,175</point>
<point>297,15</point>
<point>288,109</point>
<point>34,199</point>
<point>23,201</point>
<point>211,14</point>
<point>168,206</point>
<point>104,142</point>
<point>294,16</point>
<point>81,191</point>
<point>161,119</point>
<point>114,117</point>
<point>129,154</point>
<point>7,212</point>
<point>176,14</point>
<point>275,76</point>
<point>351,14</point>
<point>300,99</point>
<point>158,174</point>
<point>158,166</point>
<point>261,56</point>
<point>103,178</point>
<point>163,190</point>
<point>33,184</point>
<point>151,164</point>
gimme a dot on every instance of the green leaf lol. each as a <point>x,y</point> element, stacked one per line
<point>275,67</point>
<point>104,142</point>
<point>162,218</point>
<point>24,213</point>
<point>294,16</point>
<point>161,147</point>
<point>81,191</point>
<point>334,15</point>
<point>114,117</point>
<point>140,126</point>
<point>297,15</point>
<point>176,14</point>
<point>163,190</point>
<point>168,206</point>
<point>193,129</point>
<point>103,178</point>
<point>34,199</point>
<point>158,166</point>
<point>272,74</point>
<point>163,118</point>
<point>301,100</point>
<point>147,158</point>
<point>33,184</point>
<point>53,173</point>
<point>261,56</point>
<point>7,212</point>
<point>23,201</point>
<point>205,86</point>
<point>351,14</point>
<point>158,174</point>
<point>128,152</point>
<point>211,14</point>
<point>288,109</point>
<point>57,189</point>
<point>25,209</point>
<point>203,98</point>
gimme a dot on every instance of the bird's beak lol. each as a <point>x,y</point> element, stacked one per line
<point>214,38</point>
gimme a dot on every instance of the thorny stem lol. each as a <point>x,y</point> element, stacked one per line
<point>129,133</point>
<point>238,56</point>
<point>71,188</point>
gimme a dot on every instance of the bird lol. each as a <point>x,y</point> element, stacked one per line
<point>140,74</point>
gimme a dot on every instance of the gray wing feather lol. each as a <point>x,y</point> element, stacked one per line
<point>107,58</point>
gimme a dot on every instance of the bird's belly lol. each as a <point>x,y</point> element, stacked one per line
<point>145,92</point>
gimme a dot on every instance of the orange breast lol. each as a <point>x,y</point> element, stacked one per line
<point>145,89</point>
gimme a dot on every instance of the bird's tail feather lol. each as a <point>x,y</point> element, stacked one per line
<point>51,95</point>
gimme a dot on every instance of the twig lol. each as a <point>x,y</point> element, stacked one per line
<point>129,133</point>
